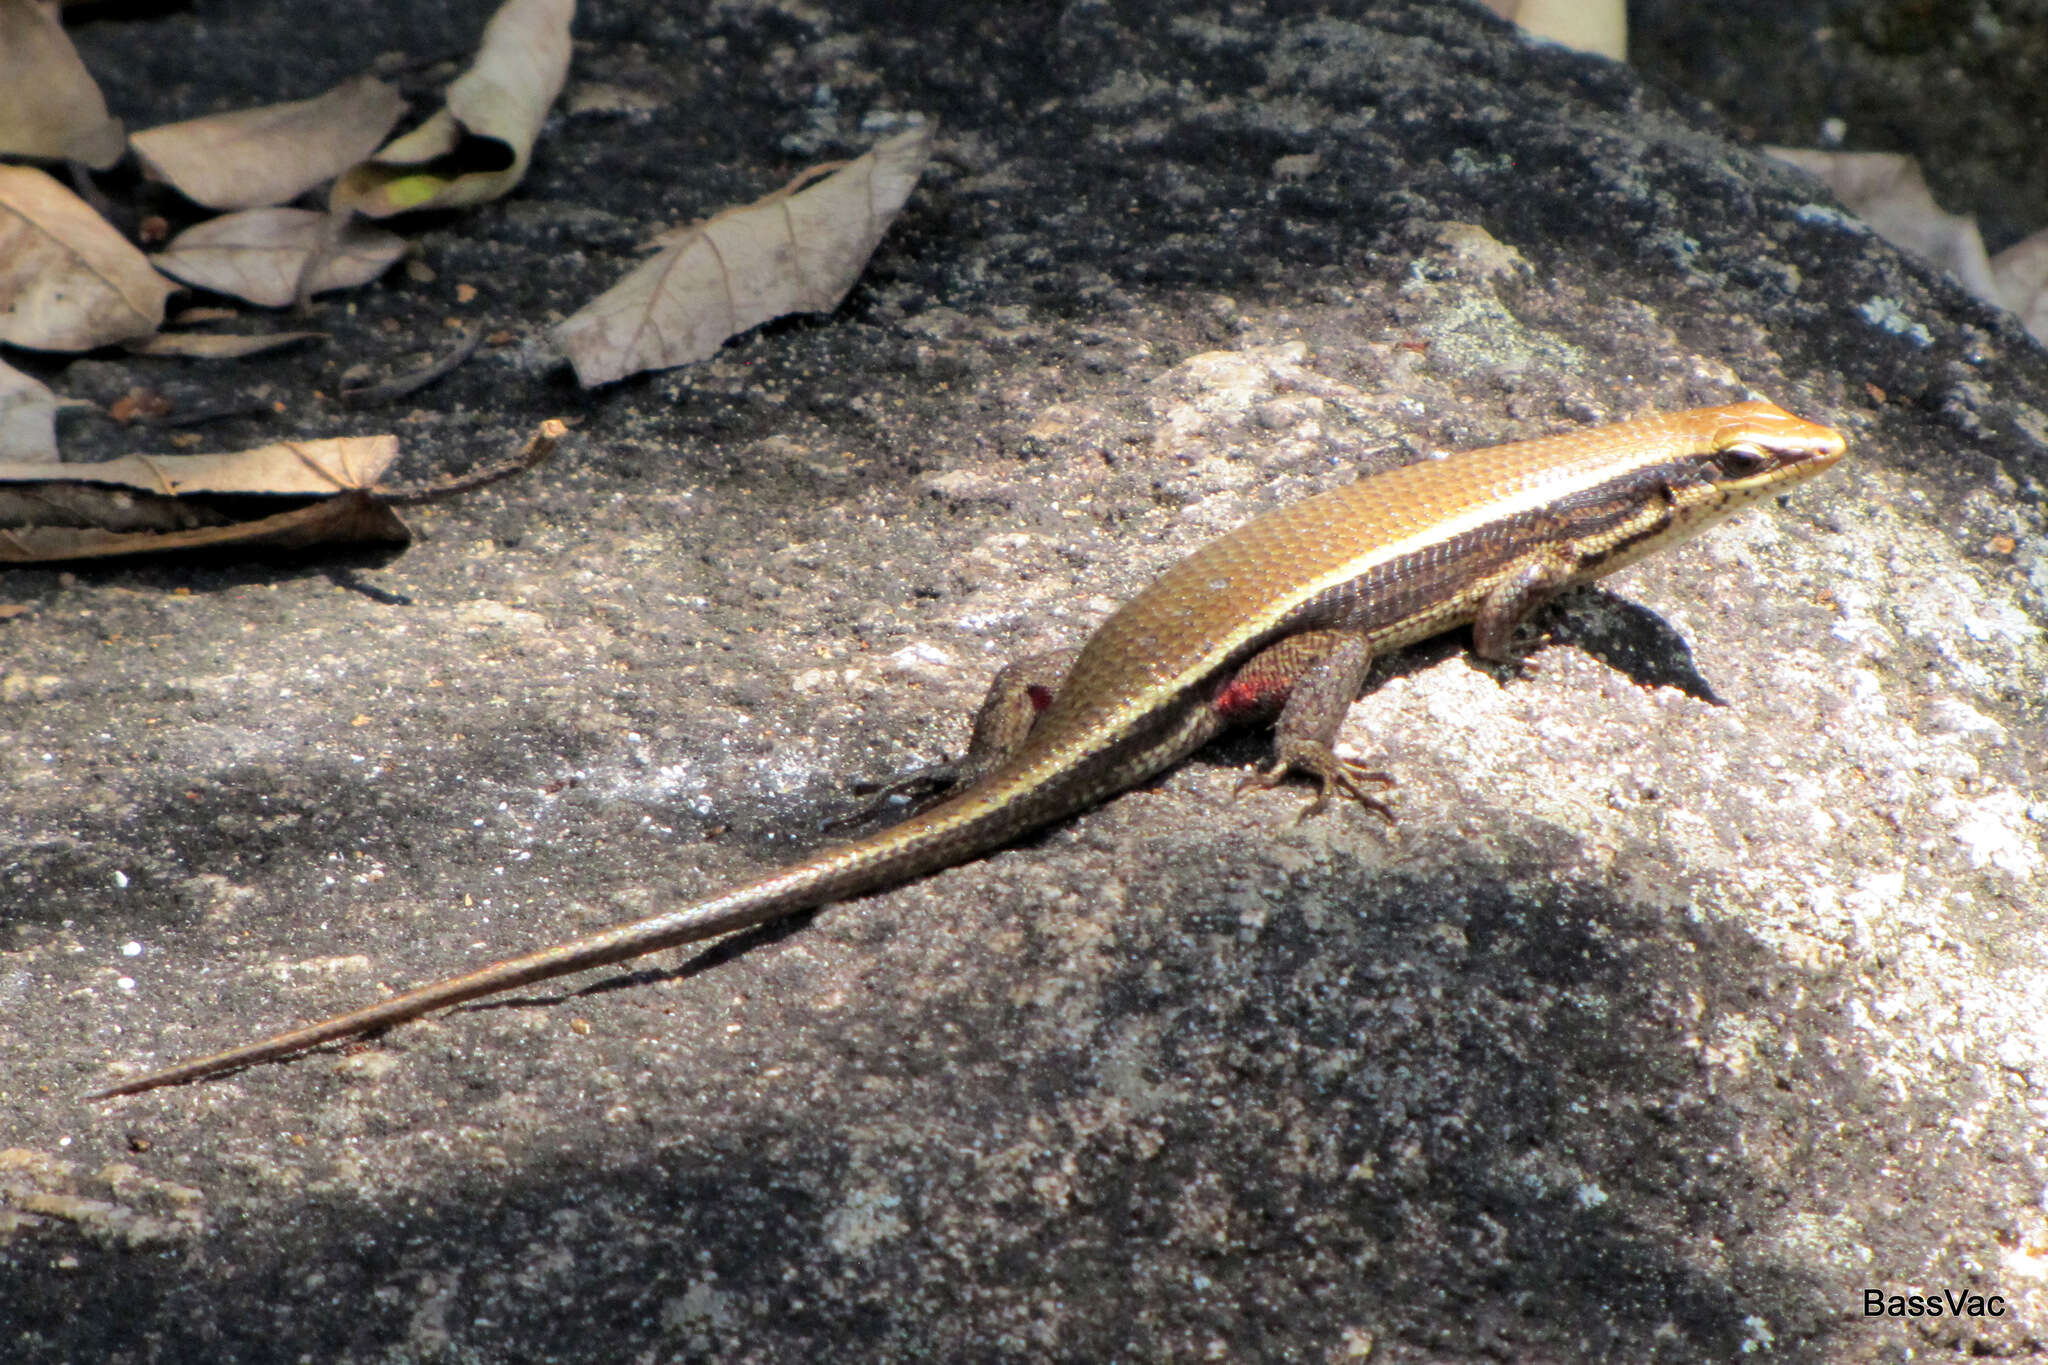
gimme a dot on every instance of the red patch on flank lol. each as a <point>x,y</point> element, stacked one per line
<point>1041,697</point>
<point>1249,696</point>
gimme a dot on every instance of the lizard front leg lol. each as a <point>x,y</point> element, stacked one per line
<point>1523,591</point>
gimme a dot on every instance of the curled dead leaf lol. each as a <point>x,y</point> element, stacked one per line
<point>153,504</point>
<point>259,254</point>
<point>794,251</point>
<point>250,158</point>
<point>347,518</point>
<point>476,148</point>
<point>50,106</point>
<point>68,281</point>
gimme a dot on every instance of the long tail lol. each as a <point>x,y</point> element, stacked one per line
<point>740,908</point>
<point>957,829</point>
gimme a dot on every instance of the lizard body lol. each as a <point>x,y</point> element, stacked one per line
<point>1281,617</point>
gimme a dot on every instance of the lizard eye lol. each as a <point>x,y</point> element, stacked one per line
<point>1741,460</point>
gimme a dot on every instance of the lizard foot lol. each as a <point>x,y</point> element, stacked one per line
<point>1331,772</point>
<point>923,785</point>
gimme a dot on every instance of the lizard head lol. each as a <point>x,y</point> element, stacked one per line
<point>1758,447</point>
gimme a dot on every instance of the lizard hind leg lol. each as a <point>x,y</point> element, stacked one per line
<point>1018,696</point>
<point>1319,673</point>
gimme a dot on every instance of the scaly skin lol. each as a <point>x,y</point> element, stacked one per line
<point>1282,616</point>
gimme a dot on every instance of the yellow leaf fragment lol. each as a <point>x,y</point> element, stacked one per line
<point>786,253</point>
<point>477,147</point>
<point>50,107</point>
<point>270,155</point>
<point>68,281</point>
<point>258,254</point>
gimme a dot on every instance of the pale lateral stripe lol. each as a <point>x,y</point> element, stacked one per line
<point>1482,514</point>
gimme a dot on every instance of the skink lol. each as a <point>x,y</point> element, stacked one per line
<point>1279,620</point>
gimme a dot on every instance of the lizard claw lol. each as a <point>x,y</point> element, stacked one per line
<point>1514,669</point>
<point>1331,772</point>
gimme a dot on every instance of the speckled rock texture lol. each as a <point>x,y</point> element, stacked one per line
<point>1699,991</point>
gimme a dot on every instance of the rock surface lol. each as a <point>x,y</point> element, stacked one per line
<point>1697,992</point>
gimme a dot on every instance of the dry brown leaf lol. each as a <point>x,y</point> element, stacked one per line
<point>218,345</point>
<point>151,504</point>
<point>795,251</point>
<point>28,416</point>
<point>257,254</point>
<point>148,503</point>
<point>50,107</point>
<point>295,468</point>
<point>347,518</point>
<point>72,505</point>
<point>477,147</point>
<point>68,281</point>
<point>273,154</point>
